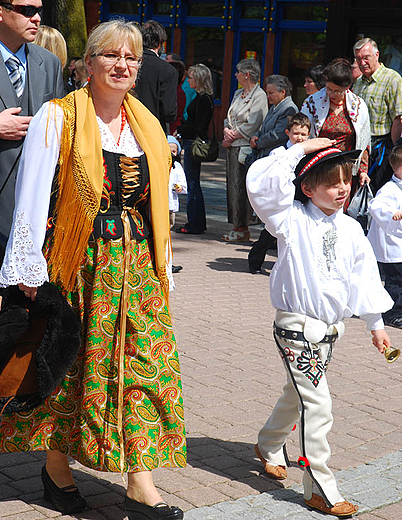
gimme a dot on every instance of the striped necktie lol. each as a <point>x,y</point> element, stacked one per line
<point>15,75</point>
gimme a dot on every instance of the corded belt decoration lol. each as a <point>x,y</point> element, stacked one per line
<point>123,323</point>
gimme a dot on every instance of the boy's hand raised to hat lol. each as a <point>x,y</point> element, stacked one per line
<point>319,143</point>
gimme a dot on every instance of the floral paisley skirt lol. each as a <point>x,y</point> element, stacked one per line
<point>80,416</point>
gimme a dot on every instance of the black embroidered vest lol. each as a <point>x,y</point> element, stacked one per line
<point>125,185</point>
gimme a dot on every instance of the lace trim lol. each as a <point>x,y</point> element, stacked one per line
<point>128,143</point>
<point>19,266</point>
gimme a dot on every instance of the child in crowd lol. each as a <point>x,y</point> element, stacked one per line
<point>385,235</point>
<point>177,184</point>
<point>326,271</point>
<point>298,130</point>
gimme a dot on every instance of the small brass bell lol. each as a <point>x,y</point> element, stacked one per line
<point>391,354</point>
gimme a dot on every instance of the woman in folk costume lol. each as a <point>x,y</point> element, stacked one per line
<point>107,248</point>
<point>336,113</point>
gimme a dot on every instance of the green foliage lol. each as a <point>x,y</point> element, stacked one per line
<point>68,16</point>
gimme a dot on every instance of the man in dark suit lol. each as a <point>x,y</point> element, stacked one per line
<point>29,76</point>
<point>157,80</point>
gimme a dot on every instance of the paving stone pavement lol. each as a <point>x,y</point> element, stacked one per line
<point>232,377</point>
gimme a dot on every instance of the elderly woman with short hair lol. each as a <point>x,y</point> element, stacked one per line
<point>272,132</point>
<point>245,115</point>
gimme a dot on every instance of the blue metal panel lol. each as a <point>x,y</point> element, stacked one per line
<point>300,25</point>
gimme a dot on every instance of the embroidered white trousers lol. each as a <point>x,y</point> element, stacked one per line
<point>306,398</point>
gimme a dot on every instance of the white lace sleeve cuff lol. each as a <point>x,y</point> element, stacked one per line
<point>21,265</point>
<point>24,261</point>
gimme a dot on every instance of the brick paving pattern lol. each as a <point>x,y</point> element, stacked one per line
<point>232,377</point>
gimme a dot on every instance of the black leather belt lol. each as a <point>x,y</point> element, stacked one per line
<point>299,336</point>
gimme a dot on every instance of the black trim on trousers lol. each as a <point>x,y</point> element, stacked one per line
<point>302,421</point>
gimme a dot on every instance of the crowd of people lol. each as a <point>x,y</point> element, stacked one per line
<point>101,152</point>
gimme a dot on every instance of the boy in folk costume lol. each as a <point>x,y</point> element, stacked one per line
<point>385,236</point>
<point>326,271</point>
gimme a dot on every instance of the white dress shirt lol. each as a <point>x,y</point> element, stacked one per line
<point>385,234</point>
<point>326,268</point>
<point>22,58</point>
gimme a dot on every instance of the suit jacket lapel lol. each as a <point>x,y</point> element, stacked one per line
<point>7,92</point>
<point>36,78</point>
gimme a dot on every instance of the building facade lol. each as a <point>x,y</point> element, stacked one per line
<point>286,36</point>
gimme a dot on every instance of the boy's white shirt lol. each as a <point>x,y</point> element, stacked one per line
<point>310,277</point>
<point>177,176</point>
<point>385,234</point>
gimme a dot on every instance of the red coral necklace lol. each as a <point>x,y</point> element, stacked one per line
<point>123,122</point>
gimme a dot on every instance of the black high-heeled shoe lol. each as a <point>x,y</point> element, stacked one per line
<point>62,499</point>
<point>161,511</point>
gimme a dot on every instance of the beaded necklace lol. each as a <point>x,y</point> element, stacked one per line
<point>123,122</point>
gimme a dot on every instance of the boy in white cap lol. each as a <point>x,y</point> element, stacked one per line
<point>177,184</point>
<point>326,271</point>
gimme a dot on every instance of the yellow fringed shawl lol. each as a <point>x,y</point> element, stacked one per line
<point>80,182</point>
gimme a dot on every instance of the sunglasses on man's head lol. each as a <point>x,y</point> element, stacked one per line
<point>29,11</point>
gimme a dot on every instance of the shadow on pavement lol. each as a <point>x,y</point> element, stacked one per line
<point>234,460</point>
<point>236,265</point>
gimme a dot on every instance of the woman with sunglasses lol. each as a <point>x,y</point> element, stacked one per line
<point>336,113</point>
<point>107,248</point>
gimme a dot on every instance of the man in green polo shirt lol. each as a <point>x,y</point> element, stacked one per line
<point>381,89</point>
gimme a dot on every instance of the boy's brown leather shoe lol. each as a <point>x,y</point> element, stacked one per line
<point>274,472</point>
<point>339,509</point>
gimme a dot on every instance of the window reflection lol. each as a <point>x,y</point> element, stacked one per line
<point>161,8</point>
<point>251,45</point>
<point>209,9</point>
<point>123,7</point>
<point>300,51</point>
<point>318,13</point>
<point>206,45</point>
<point>253,11</point>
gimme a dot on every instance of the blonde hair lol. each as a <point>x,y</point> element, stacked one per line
<point>51,39</point>
<point>111,35</point>
<point>202,78</point>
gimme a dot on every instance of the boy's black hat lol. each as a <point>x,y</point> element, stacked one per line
<point>313,159</point>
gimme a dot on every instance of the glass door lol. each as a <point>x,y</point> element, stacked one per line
<point>300,41</point>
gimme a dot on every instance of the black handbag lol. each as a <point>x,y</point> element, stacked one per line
<point>39,342</point>
<point>358,207</point>
<point>206,151</point>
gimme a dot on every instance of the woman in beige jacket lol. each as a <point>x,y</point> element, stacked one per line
<point>245,116</point>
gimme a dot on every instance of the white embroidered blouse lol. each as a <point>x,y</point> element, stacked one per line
<point>326,268</point>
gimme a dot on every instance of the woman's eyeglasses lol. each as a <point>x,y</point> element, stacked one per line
<point>110,58</point>
<point>29,11</point>
<point>335,92</point>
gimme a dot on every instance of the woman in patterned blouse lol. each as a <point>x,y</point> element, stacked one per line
<point>335,112</point>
